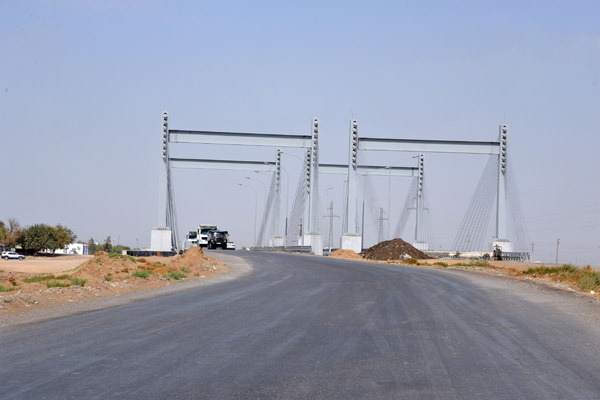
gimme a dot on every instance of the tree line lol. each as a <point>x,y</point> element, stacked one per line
<point>108,247</point>
<point>36,237</point>
<point>41,237</point>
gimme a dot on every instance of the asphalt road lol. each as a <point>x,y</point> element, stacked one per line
<point>317,328</point>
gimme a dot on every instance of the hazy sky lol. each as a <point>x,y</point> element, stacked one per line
<point>83,85</point>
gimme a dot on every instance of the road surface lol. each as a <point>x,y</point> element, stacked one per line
<point>305,327</point>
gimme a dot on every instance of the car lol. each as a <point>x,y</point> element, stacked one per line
<point>230,246</point>
<point>11,255</point>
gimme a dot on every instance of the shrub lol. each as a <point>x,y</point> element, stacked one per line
<point>78,281</point>
<point>185,269</point>
<point>43,278</point>
<point>142,273</point>
<point>590,281</point>
<point>108,277</point>
<point>481,263</point>
<point>585,278</point>
<point>176,275</point>
<point>564,270</point>
<point>52,284</point>
<point>411,261</point>
<point>123,257</point>
<point>441,264</point>
<point>7,289</point>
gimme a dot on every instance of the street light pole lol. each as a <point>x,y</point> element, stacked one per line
<point>287,196</point>
<point>262,183</point>
<point>255,207</point>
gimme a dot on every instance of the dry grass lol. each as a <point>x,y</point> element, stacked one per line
<point>584,278</point>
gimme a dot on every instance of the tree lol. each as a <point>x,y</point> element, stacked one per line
<point>14,229</point>
<point>64,236</point>
<point>9,235</point>
<point>39,237</point>
<point>92,247</point>
<point>107,245</point>
<point>4,234</point>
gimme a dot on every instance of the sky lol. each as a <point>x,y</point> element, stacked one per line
<point>83,85</point>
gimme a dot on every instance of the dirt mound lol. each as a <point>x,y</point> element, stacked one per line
<point>193,257</point>
<point>350,254</point>
<point>395,249</point>
<point>117,266</point>
<point>104,264</point>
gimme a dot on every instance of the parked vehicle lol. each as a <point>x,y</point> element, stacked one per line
<point>11,255</point>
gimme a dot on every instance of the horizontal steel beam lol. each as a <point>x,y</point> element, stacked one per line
<point>368,170</point>
<point>239,138</point>
<point>428,146</point>
<point>222,164</point>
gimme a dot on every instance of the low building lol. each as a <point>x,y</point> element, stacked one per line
<point>74,248</point>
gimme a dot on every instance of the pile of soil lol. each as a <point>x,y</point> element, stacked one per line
<point>395,249</point>
<point>349,254</point>
<point>103,265</point>
<point>193,257</point>
<point>104,275</point>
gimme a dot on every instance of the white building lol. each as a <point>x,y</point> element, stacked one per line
<point>73,248</point>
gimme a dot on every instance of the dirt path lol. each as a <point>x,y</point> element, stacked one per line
<point>43,265</point>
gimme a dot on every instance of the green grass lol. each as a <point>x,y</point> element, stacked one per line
<point>585,278</point>
<point>52,284</point>
<point>122,257</point>
<point>142,273</point>
<point>185,270</point>
<point>78,281</point>
<point>482,263</point>
<point>176,275</point>
<point>565,270</point>
<point>589,281</point>
<point>411,261</point>
<point>441,264</point>
<point>43,278</point>
<point>98,261</point>
<point>8,289</point>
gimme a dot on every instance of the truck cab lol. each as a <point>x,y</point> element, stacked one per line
<point>203,231</point>
<point>192,239</point>
<point>218,239</point>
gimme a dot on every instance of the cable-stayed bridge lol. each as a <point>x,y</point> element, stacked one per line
<point>495,194</point>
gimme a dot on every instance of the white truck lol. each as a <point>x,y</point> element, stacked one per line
<point>203,234</point>
<point>191,239</point>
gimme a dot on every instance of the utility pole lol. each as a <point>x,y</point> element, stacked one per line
<point>331,217</point>
<point>362,228</point>
<point>381,219</point>
<point>389,234</point>
<point>557,243</point>
<point>532,245</point>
